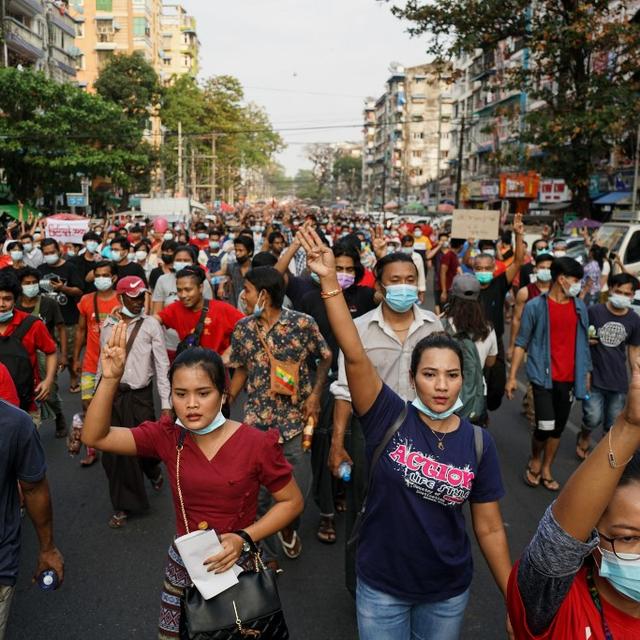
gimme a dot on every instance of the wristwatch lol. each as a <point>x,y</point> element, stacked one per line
<point>246,547</point>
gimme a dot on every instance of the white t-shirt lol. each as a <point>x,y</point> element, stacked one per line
<point>487,347</point>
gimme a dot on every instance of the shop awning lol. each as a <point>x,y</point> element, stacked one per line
<point>615,197</point>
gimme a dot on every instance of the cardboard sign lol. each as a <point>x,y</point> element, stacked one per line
<point>479,224</point>
<point>66,230</point>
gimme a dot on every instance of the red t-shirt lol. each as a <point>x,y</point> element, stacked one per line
<point>218,325</point>
<point>8,390</point>
<point>223,491</point>
<point>368,279</point>
<point>450,259</point>
<point>577,618</point>
<point>563,324</point>
<point>86,307</point>
<point>200,244</point>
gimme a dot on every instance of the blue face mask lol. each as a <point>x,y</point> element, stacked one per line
<point>5,316</point>
<point>216,423</point>
<point>623,575</point>
<point>484,277</point>
<point>258,310</point>
<point>315,277</point>
<point>401,297</point>
<point>422,407</point>
<point>129,313</point>
<point>543,275</point>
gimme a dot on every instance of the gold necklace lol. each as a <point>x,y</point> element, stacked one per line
<point>440,440</point>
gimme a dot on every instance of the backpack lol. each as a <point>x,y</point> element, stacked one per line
<point>472,393</point>
<point>15,357</point>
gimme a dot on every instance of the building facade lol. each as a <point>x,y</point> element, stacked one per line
<point>406,135</point>
<point>164,34</point>
<point>40,34</point>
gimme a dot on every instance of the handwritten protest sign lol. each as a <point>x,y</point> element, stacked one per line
<point>66,230</point>
<point>475,223</point>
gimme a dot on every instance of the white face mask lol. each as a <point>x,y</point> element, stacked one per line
<point>116,256</point>
<point>619,301</point>
<point>27,246</point>
<point>16,256</point>
<point>131,257</point>
<point>141,255</point>
<point>51,258</point>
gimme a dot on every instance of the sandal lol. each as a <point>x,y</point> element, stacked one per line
<point>291,549</point>
<point>582,453</point>
<point>74,389</point>
<point>550,484</point>
<point>529,472</point>
<point>326,530</point>
<point>118,520</point>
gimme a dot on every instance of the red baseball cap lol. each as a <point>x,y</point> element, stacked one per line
<point>132,286</point>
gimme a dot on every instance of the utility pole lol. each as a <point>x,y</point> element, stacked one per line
<point>5,51</point>
<point>194,182</point>
<point>213,169</point>
<point>634,197</point>
<point>459,168</point>
<point>180,186</point>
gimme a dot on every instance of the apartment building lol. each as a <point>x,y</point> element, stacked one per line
<point>40,34</point>
<point>406,135</point>
<point>180,46</point>
<point>164,34</point>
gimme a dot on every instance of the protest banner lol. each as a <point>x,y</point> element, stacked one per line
<point>479,224</point>
<point>66,230</point>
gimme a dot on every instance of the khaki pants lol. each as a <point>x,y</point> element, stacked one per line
<point>6,593</point>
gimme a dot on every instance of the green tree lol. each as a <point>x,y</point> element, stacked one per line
<point>347,174</point>
<point>131,82</point>
<point>51,134</point>
<point>579,71</point>
<point>244,136</point>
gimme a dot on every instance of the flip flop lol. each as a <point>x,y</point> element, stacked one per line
<point>326,530</point>
<point>536,477</point>
<point>550,484</point>
<point>118,520</point>
<point>582,453</point>
<point>291,549</point>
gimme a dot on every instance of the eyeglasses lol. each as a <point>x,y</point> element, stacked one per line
<point>624,547</point>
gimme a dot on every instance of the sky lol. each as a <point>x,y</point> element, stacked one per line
<point>309,63</point>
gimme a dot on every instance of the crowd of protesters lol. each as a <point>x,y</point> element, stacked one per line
<point>305,320</point>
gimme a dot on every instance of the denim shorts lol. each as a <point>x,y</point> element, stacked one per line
<point>602,408</point>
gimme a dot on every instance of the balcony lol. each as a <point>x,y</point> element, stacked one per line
<point>22,40</point>
<point>29,8</point>
<point>483,66</point>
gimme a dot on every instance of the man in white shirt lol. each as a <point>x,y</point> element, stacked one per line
<point>408,247</point>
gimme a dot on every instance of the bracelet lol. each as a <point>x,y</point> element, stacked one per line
<point>612,458</point>
<point>330,294</point>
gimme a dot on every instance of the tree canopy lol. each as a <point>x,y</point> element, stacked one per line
<point>578,69</point>
<point>51,134</point>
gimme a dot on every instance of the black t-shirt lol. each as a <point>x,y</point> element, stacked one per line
<point>297,288</point>
<point>49,312</point>
<point>68,273</point>
<point>525,273</point>
<point>131,269</point>
<point>493,300</point>
<point>84,267</point>
<point>359,300</point>
<point>156,272</point>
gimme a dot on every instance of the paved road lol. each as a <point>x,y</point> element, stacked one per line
<point>113,577</point>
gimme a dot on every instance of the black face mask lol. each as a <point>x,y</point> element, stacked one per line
<point>167,258</point>
<point>242,260</point>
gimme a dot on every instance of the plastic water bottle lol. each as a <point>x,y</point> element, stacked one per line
<point>344,471</point>
<point>48,580</point>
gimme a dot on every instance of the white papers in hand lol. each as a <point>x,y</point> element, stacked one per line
<point>195,548</point>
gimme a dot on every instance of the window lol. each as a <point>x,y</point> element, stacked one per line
<point>416,154</point>
<point>139,27</point>
<point>632,254</point>
<point>81,64</point>
<point>80,30</point>
<point>104,5</point>
<point>167,62</point>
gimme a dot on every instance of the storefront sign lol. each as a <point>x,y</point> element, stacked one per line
<point>519,185</point>
<point>552,190</point>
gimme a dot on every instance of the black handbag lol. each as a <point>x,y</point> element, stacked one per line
<point>193,339</point>
<point>249,609</point>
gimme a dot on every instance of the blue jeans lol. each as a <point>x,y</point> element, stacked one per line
<point>602,408</point>
<point>384,617</point>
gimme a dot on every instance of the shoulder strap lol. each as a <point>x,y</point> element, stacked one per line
<point>264,342</point>
<point>132,338</point>
<point>478,439</point>
<point>200,326</point>
<point>355,532</point>
<point>36,309</point>
<point>23,327</point>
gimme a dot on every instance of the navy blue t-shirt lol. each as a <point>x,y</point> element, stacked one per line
<point>413,542</point>
<point>21,458</point>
